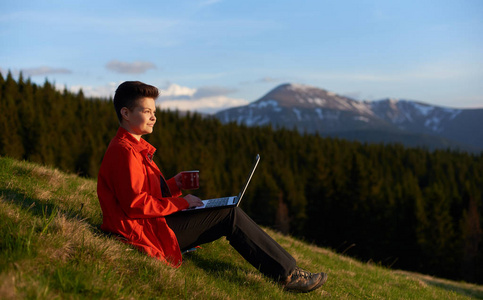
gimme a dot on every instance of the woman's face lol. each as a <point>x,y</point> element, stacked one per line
<point>141,119</point>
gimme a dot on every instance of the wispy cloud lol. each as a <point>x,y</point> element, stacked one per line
<point>431,71</point>
<point>266,79</point>
<point>44,70</point>
<point>212,91</point>
<point>137,67</point>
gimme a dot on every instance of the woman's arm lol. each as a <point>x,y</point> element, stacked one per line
<point>131,188</point>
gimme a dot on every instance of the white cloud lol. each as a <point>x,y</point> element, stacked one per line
<point>205,105</point>
<point>203,99</point>
<point>177,91</point>
<point>102,91</point>
<point>137,67</point>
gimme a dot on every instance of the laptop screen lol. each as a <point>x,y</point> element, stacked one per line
<point>242,192</point>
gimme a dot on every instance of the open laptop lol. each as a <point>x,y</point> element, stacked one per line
<point>228,201</point>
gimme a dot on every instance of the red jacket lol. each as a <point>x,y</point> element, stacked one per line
<point>129,191</point>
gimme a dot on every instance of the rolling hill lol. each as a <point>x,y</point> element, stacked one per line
<point>51,247</point>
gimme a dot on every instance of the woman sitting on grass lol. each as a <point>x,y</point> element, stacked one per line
<point>141,205</point>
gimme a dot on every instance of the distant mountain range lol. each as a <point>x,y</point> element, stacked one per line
<point>310,109</point>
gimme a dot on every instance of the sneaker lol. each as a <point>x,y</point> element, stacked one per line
<point>303,281</point>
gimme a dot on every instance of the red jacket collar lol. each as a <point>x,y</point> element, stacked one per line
<point>141,146</point>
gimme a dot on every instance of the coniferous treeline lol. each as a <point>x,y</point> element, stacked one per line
<point>407,208</point>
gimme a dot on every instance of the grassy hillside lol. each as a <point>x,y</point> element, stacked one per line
<point>51,247</point>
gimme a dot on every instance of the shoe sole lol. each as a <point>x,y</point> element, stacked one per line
<point>319,284</point>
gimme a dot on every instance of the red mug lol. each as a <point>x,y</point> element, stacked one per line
<point>190,180</point>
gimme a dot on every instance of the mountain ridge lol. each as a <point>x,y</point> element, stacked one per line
<point>315,110</point>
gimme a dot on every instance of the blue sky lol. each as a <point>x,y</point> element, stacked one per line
<point>211,54</point>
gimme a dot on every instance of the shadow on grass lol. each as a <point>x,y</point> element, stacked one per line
<point>219,269</point>
<point>462,288</point>
<point>459,288</point>
<point>43,209</point>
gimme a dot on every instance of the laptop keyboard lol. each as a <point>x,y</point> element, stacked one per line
<point>217,202</point>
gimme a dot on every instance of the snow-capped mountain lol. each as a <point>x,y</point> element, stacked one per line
<point>414,116</point>
<point>313,110</point>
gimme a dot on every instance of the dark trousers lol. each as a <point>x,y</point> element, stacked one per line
<point>197,227</point>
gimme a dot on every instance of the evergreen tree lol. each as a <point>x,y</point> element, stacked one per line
<point>10,125</point>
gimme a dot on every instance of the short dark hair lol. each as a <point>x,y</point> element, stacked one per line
<point>129,92</point>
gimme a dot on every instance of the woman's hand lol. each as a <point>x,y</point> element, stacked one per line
<point>193,201</point>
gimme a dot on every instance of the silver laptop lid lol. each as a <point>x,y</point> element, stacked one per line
<point>242,192</point>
